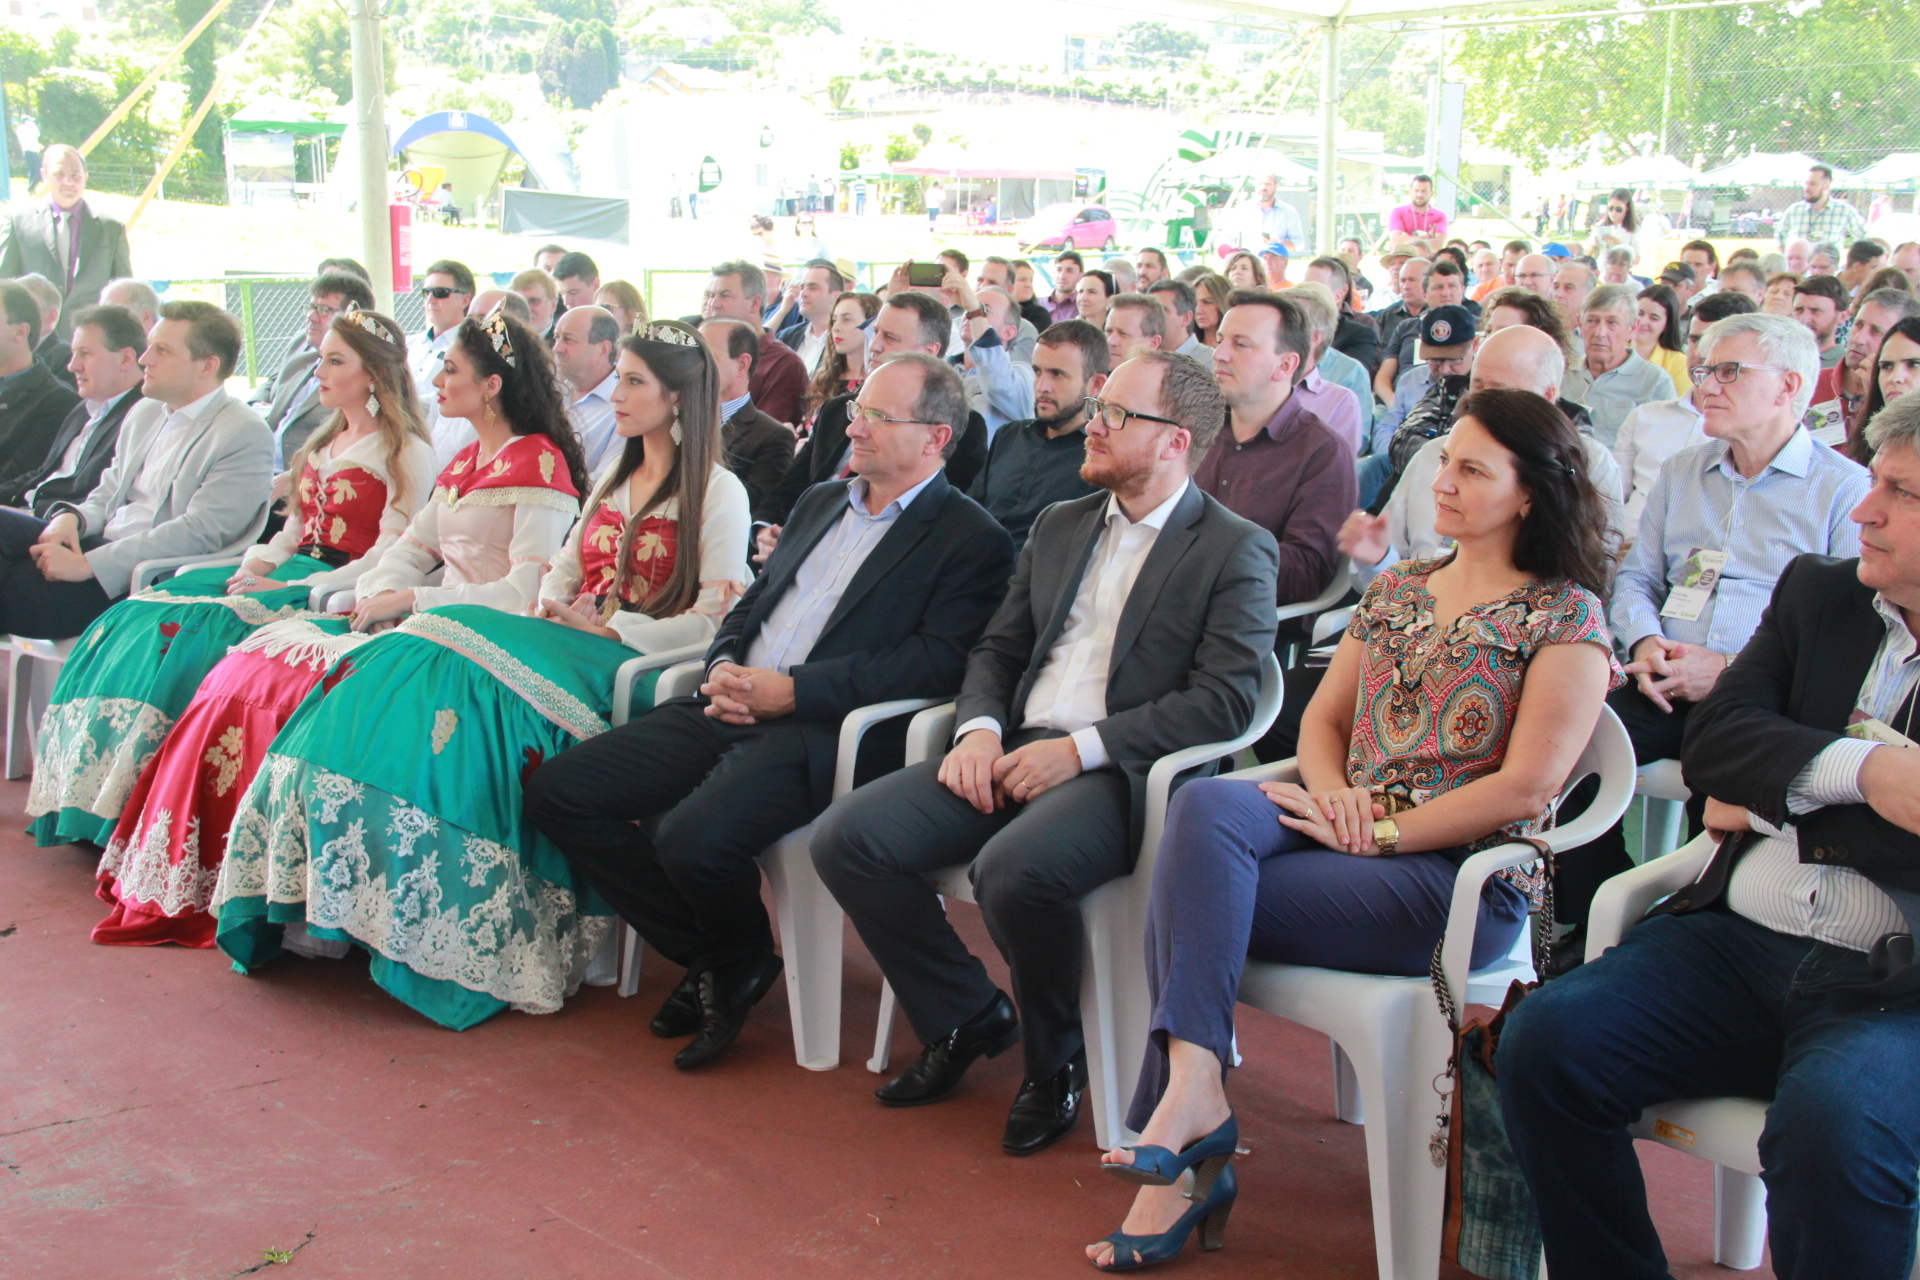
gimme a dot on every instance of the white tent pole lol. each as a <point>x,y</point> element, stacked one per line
<point>1329,90</point>
<point>370,134</point>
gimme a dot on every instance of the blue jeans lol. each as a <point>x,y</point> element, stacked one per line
<point>1714,1005</point>
<point>1231,882</point>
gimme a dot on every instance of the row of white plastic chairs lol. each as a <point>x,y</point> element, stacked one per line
<point>1388,1039</point>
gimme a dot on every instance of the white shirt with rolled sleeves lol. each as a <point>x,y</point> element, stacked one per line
<point>1651,434</point>
<point>1798,503</point>
<point>1070,693</point>
<point>999,388</point>
<point>1835,905</point>
<point>795,624</point>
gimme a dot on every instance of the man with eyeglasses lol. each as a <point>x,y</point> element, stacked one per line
<point>291,401</point>
<point>881,585</point>
<point>1719,526</point>
<point>1655,431</point>
<point>1841,394</point>
<point>1134,626</point>
<point>64,239</point>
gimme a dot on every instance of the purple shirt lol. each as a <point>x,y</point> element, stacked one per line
<point>1332,404</point>
<point>1068,310</point>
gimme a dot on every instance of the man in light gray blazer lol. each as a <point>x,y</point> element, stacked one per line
<point>191,474</point>
<point>1135,626</point>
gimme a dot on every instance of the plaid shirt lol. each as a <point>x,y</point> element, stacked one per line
<point>1839,223</point>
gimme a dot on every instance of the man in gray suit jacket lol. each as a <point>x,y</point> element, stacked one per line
<point>1135,626</point>
<point>192,472</point>
<point>65,240</point>
<point>291,403</point>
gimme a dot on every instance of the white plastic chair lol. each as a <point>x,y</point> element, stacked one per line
<point>1390,1040</point>
<point>1333,593</point>
<point>1723,1131</point>
<point>1114,1004</point>
<point>147,572</point>
<point>812,926</point>
<point>1663,799</point>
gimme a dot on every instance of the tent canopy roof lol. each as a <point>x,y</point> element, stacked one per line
<point>274,113</point>
<point>945,160</point>
<point>1771,169</point>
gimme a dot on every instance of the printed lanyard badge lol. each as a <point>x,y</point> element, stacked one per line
<point>1689,600</point>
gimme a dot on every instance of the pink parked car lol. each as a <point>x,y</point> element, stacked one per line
<point>1062,226</point>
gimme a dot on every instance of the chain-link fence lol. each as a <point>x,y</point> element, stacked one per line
<point>273,315</point>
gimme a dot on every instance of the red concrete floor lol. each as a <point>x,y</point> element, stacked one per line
<point>161,1116</point>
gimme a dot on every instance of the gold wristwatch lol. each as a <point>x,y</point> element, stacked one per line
<point>1386,834</point>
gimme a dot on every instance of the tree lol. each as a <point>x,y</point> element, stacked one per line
<point>1150,44</point>
<point>311,44</point>
<point>1837,80</point>
<point>900,147</point>
<point>578,63</point>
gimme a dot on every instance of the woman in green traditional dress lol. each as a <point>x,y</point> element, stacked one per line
<point>388,812</point>
<point>357,481</point>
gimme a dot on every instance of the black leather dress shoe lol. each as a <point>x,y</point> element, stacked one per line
<point>727,994</point>
<point>680,1013</point>
<point>1045,1110</point>
<point>938,1070</point>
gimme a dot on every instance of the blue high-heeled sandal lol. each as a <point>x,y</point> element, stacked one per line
<point>1159,1167</point>
<point>1213,1204</point>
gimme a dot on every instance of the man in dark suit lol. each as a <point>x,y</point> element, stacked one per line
<point>1786,971</point>
<point>813,294</point>
<point>65,240</point>
<point>1135,626</point>
<point>33,403</point>
<point>107,345</point>
<point>909,322</point>
<point>879,588</point>
<point>51,351</point>
<point>738,291</point>
<point>756,448</point>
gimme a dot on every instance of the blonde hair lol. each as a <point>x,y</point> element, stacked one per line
<point>624,294</point>
<point>385,360</point>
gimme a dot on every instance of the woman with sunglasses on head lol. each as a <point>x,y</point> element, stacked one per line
<point>416,849</point>
<point>358,480</point>
<point>1456,705</point>
<point>1656,334</point>
<point>1619,225</point>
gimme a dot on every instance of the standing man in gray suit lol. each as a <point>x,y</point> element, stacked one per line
<point>193,468</point>
<point>292,409</point>
<point>1135,625</point>
<point>64,240</point>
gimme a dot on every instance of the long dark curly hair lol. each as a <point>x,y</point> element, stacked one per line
<point>1565,534</point>
<point>529,390</point>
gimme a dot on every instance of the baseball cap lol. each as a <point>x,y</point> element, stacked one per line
<point>1448,326</point>
<point>1280,249</point>
<point>1557,250</point>
<point>1675,272</point>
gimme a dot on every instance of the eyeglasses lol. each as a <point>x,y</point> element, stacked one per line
<point>440,292</point>
<point>1115,418</point>
<point>1726,372</point>
<point>322,309</point>
<point>873,417</point>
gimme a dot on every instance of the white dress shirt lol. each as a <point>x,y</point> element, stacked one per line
<point>592,416</point>
<point>77,447</point>
<point>163,462</point>
<point>1070,692</point>
<point>793,627</point>
<point>812,347</point>
<point>1651,434</point>
<point>426,352</point>
<point>1835,905</point>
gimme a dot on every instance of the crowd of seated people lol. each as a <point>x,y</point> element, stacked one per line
<point>393,725</point>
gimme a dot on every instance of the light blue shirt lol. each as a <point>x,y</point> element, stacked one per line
<point>1616,393</point>
<point>593,422</point>
<point>999,388</point>
<point>1342,370</point>
<point>795,624</point>
<point>730,407</point>
<point>1407,390</point>
<point>1797,504</point>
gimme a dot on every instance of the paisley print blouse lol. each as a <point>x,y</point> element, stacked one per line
<point>1435,707</point>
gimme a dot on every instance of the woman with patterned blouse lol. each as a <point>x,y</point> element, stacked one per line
<point>1453,710</point>
<point>388,811</point>
<point>357,481</point>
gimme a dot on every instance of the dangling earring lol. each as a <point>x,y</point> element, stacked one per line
<point>674,431</point>
<point>373,403</point>
<point>489,405</point>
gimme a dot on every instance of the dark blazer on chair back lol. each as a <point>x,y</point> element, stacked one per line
<point>33,407</point>
<point>1186,655</point>
<point>904,625</point>
<point>15,484</point>
<point>1791,692</point>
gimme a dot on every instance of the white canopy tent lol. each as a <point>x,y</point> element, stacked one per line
<point>1771,169</point>
<point>1638,172</point>
<point>1901,170</point>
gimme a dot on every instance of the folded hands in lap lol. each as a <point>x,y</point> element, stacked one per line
<point>1341,820</point>
<point>977,771</point>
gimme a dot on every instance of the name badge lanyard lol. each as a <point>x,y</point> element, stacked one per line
<point>1704,567</point>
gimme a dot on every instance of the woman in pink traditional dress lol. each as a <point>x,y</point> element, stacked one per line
<point>493,524</point>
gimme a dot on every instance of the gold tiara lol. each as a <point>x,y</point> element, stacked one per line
<point>368,323</point>
<point>495,327</point>
<point>662,331</point>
